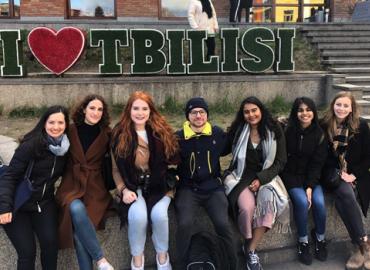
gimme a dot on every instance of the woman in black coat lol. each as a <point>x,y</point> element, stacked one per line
<point>349,157</point>
<point>307,151</point>
<point>45,145</point>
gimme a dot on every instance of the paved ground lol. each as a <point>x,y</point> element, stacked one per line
<point>337,263</point>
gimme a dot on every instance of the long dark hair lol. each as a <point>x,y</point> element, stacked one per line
<point>293,120</point>
<point>78,115</point>
<point>38,134</point>
<point>267,122</point>
<point>207,8</point>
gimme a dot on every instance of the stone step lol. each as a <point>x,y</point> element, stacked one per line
<point>337,27</point>
<point>337,34</point>
<point>366,97</point>
<point>355,70</point>
<point>339,39</point>
<point>366,117</point>
<point>345,53</point>
<point>365,106</point>
<point>344,63</point>
<point>343,46</point>
<point>358,80</point>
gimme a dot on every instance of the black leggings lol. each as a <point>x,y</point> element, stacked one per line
<point>349,211</point>
<point>211,46</point>
<point>21,232</point>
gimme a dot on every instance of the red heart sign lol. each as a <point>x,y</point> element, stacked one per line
<point>56,51</point>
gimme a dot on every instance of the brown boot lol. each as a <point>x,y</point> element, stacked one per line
<point>356,261</point>
<point>365,249</point>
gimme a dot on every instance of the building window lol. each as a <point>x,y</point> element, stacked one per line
<point>91,9</point>
<point>174,9</point>
<point>9,8</point>
<point>288,10</point>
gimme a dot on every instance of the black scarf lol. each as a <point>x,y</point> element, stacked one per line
<point>207,8</point>
<point>340,142</point>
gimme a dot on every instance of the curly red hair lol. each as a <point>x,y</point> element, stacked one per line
<point>124,131</point>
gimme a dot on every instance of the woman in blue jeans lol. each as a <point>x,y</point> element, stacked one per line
<point>82,195</point>
<point>144,145</point>
<point>307,151</point>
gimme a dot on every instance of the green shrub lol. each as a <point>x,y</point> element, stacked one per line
<point>27,111</point>
<point>279,106</point>
<point>171,106</point>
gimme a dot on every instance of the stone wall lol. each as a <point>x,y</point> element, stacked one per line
<point>37,92</point>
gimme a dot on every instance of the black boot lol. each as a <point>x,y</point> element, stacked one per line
<point>321,252</point>
<point>304,255</point>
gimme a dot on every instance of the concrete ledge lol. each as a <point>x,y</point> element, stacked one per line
<point>275,248</point>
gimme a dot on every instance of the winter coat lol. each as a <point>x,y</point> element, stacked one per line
<point>158,164</point>
<point>199,20</point>
<point>83,180</point>
<point>200,159</point>
<point>307,152</point>
<point>46,170</point>
<point>358,162</point>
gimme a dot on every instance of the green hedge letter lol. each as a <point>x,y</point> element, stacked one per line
<point>176,52</point>
<point>148,56</point>
<point>11,43</point>
<point>229,39</point>
<point>197,54</point>
<point>110,40</point>
<point>284,49</point>
<point>262,55</point>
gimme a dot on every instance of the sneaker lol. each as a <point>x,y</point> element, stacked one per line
<point>253,261</point>
<point>321,252</point>
<point>166,265</point>
<point>133,267</point>
<point>304,255</point>
<point>105,266</point>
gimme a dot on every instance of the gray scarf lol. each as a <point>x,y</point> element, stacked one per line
<point>59,146</point>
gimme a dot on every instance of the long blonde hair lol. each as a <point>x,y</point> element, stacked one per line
<point>352,120</point>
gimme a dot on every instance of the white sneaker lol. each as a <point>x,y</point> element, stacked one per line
<point>166,265</point>
<point>133,267</point>
<point>105,266</point>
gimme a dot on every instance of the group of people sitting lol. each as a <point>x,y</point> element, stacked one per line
<point>270,163</point>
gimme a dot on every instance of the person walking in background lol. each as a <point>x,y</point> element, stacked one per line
<point>258,149</point>
<point>349,158</point>
<point>202,16</point>
<point>43,152</point>
<point>143,145</point>
<point>201,146</point>
<point>82,195</point>
<point>307,151</point>
<point>236,9</point>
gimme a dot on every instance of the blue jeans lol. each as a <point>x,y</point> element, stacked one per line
<point>300,206</point>
<point>138,222</point>
<point>86,244</point>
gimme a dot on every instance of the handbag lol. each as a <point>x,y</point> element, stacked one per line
<point>107,172</point>
<point>24,189</point>
<point>331,178</point>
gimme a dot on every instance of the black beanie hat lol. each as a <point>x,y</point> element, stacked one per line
<point>196,102</point>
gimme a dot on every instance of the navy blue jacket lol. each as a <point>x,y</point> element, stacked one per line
<point>199,168</point>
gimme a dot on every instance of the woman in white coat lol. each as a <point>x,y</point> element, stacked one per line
<point>202,16</point>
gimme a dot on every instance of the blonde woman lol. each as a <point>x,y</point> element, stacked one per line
<point>349,153</point>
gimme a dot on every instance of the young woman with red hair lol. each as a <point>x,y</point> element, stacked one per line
<point>143,145</point>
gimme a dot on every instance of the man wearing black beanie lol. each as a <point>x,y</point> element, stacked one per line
<point>201,146</point>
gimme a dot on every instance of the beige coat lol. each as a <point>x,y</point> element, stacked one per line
<point>199,20</point>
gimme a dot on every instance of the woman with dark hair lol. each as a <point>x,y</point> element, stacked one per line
<point>82,195</point>
<point>202,16</point>
<point>349,157</point>
<point>45,147</point>
<point>257,144</point>
<point>144,145</point>
<point>307,151</point>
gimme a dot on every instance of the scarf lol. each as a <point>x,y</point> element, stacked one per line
<point>58,146</point>
<point>340,142</point>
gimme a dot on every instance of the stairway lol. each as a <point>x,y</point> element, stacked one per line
<point>345,49</point>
